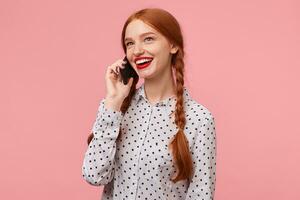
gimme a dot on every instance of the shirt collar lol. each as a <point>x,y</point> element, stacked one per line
<point>168,104</point>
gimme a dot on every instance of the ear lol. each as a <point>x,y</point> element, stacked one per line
<point>174,49</point>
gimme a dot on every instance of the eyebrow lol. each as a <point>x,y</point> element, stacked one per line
<point>141,35</point>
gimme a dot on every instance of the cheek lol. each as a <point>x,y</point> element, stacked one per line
<point>155,50</point>
<point>161,51</point>
<point>162,58</point>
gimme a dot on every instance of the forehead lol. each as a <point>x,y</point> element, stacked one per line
<point>137,28</point>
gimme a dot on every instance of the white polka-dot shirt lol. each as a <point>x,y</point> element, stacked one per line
<point>139,164</point>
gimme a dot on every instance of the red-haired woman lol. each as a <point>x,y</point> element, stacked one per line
<point>155,141</point>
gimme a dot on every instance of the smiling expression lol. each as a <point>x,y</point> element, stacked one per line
<point>141,40</point>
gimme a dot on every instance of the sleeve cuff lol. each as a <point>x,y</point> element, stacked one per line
<point>107,120</point>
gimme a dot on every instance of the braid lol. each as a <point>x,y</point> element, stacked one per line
<point>179,145</point>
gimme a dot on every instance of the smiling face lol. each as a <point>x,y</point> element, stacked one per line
<point>141,40</point>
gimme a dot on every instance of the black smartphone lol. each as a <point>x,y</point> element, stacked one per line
<point>127,72</point>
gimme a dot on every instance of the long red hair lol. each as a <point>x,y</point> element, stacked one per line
<point>168,26</point>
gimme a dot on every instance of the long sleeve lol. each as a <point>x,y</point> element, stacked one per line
<point>202,185</point>
<point>99,159</point>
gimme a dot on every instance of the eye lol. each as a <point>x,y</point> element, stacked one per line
<point>148,38</point>
<point>151,38</point>
<point>128,43</point>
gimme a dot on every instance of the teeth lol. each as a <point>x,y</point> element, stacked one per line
<point>142,61</point>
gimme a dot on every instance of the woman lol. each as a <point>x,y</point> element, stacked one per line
<point>153,142</point>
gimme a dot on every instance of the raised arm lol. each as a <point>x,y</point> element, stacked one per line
<point>99,159</point>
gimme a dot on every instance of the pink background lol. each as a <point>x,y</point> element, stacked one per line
<point>242,62</point>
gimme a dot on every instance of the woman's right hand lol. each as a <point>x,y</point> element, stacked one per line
<point>116,90</point>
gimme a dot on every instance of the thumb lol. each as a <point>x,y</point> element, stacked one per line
<point>130,82</point>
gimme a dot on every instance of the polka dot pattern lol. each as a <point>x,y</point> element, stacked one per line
<point>139,164</point>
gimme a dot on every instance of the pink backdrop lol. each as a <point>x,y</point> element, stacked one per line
<point>242,62</point>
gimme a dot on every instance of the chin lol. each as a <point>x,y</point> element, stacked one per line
<point>147,75</point>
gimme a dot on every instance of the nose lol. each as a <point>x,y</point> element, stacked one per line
<point>138,49</point>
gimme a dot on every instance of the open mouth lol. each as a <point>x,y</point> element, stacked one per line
<point>143,64</point>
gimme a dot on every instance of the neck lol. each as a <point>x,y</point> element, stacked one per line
<point>160,88</point>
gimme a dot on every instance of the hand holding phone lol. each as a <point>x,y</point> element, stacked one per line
<point>116,89</point>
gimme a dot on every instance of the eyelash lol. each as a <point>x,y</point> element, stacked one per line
<point>145,39</point>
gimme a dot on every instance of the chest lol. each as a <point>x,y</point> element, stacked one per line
<point>145,135</point>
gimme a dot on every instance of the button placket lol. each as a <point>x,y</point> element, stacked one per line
<point>142,140</point>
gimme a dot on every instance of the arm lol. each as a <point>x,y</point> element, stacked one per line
<point>202,185</point>
<point>98,162</point>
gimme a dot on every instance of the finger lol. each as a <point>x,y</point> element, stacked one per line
<point>117,65</point>
<point>113,69</point>
<point>119,62</point>
<point>123,65</point>
<point>114,66</point>
<point>130,82</point>
<point>120,77</point>
<point>109,71</point>
<point>122,62</point>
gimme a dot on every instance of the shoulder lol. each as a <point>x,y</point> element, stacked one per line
<point>195,109</point>
<point>199,120</point>
<point>197,113</point>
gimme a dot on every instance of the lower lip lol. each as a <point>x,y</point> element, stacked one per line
<point>144,65</point>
